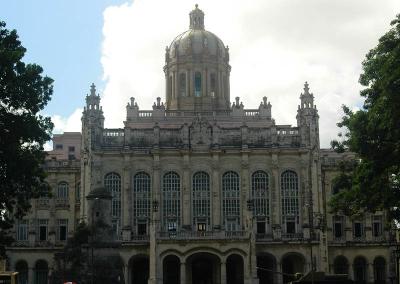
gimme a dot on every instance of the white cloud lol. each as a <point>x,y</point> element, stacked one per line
<point>274,45</point>
<point>71,123</point>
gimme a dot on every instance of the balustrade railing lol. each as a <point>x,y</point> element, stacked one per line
<point>198,235</point>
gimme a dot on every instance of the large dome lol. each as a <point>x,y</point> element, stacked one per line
<point>196,40</point>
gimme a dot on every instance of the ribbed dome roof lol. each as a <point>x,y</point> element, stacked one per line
<point>197,40</point>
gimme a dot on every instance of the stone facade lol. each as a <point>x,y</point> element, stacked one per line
<point>198,190</point>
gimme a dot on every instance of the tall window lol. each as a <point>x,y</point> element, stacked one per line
<point>182,84</point>
<point>78,193</point>
<point>22,230</point>
<point>62,190</point>
<point>201,200</point>
<point>171,201</point>
<point>170,87</point>
<point>41,272</point>
<point>213,85</point>
<point>360,270</point>
<point>141,201</point>
<point>260,196</point>
<point>43,229</point>
<point>112,182</point>
<point>62,229</point>
<point>338,227</point>
<point>231,201</point>
<point>290,201</point>
<point>358,230</point>
<point>22,268</point>
<point>377,226</point>
<point>197,84</point>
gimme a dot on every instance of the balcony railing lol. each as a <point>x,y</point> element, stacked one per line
<point>43,203</point>
<point>293,236</point>
<point>62,203</point>
<point>203,235</point>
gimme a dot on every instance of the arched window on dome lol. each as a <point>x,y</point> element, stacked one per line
<point>260,196</point>
<point>182,84</point>
<point>170,95</point>
<point>201,200</point>
<point>141,202</point>
<point>231,201</point>
<point>197,84</point>
<point>112,182</point>
<point>171,201</point>
<point>290,202</point>
<point>213,85</point>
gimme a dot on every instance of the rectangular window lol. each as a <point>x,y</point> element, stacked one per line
<point>71,148</point>
<point>290,227</point>
<point>43,229</point>
<point>261,228</point>
<point>59,146</point>
<point>172,226</point>
<point>338,226</point>
<point>201,227</point>
<point>377,226</point>
<point>71,157</point>
<point>142,229</point>
<point>62,229</point>
<point>358,230</point>
<point>22,230</point>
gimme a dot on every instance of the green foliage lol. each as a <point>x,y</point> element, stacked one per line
<point>373,133</point>
<point>24,92</point>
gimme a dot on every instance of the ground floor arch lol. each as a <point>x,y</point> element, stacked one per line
<point>234,269</point>
<point>171,270</point>
<point>203,268</point>
<point>41,272</point>
<point>138,269</point>
<point>266,269</point>
<point>292,264</point>
<point>22,268</point>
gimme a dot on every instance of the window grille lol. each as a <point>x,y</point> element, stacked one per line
<point>201,199</point>
<point>260,193</point>
<point>141,197</point>
<point>62,190</point>
<point>171,201</point>
<point>197,84</point>
<point>112,182</point>
<point>290,200</point>
<point>62,230</point>
<point>22,230</point>
<point>231,200</point>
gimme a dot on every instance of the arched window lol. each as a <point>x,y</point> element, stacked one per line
<point>290,201</point>
<point>340,265</point>
<point>260,196</point>
<point>112,182</point>
<point>141,201</point>
<point>201,200</point>
<point>170,87</point>
<point>22,268</point>
<point>41,272</point>
<point>182,84</point>
<point>213,85</point>
<point>380,270</point>
<point>171,201</point>
<point>231,201</point>
<point>197,84</point>
<point>360,270</point>
<point>62,190</point>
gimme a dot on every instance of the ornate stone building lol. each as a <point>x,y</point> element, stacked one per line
<point>202,190</point>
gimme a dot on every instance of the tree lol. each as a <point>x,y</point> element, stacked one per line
<point>24,92</point>
<point>373,133</point>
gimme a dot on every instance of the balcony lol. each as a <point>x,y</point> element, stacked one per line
<point>62,203</point>
<point>293,236</point>
<point>43,203</point>
<point>203,235</point>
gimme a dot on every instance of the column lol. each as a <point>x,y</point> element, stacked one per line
<point>223,272</point>
<point>279,276</point>
<point>31,275</point>
<point>245,192</point>
<point>204,84</point>
<point>216,192</point>
<point>125,193</point>
<point>155,197</point>
<point>126,274</point>
<point>186,190</point>
<point>275,193</point>
<point>183,273</point>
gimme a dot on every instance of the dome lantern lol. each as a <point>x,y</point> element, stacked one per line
<point>196,19</point>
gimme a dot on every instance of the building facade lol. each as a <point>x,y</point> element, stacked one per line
<point>202,190</point>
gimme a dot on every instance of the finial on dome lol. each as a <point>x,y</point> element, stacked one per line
<point>92,90</point>
<point>306,88</point>
<point>196,19</point>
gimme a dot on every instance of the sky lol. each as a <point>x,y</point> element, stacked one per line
<point>275,46</point>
